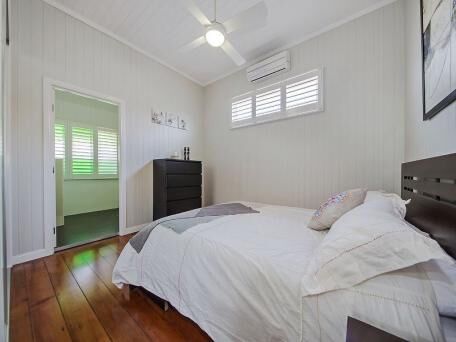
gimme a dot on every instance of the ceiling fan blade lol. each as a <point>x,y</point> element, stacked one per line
<point>197,13</point>
<point>252,18</point>
<point>232,52</point>
<point>194,44</point>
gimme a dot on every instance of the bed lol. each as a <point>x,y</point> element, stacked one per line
<point>238,275</point>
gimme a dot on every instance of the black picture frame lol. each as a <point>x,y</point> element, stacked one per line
<point>449,99</point>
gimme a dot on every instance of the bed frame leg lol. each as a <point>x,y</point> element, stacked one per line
<point>126,289</point>
<point>126,292</point>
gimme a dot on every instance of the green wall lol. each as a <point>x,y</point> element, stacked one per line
<point>76,108</point>
<point>87,195</point>
<point>83,196</point>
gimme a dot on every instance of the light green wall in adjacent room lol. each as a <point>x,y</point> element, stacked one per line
<point>76,108</point>
<point>87,195</point>
<point>83,196</point>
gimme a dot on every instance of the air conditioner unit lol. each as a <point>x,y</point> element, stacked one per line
<point>269,67</point>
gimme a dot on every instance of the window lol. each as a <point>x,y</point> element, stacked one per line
<point>82,156</point>
<point>302,93</point>
<point>107,152</point>
<point>59,138</point>
<point>88,152</point>
<point>298,95</point>
<point>267,102</point>
<point>241,109</point>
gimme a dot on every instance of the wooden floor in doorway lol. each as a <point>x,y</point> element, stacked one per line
<point>69,296</point>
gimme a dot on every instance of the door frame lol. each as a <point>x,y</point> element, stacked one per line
<point>49,195</point>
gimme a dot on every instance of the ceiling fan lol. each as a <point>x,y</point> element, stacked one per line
<point>216,32</point>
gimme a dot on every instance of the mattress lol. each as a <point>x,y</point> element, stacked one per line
<point>239,278</point>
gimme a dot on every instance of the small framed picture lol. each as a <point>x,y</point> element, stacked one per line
<point>171,120</point>
<point>182,122</point>
<point>158,117</point>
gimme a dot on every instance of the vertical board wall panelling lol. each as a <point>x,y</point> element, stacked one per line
<point>48,43</point>
<point>356,142</point>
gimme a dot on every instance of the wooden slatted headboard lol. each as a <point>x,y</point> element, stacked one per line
<point>431,185</point>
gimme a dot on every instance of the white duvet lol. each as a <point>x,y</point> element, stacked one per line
<point>239,278</point>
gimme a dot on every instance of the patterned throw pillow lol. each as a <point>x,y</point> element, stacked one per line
<point>337,205</point>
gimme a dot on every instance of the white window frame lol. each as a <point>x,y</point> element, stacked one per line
<point>283,113</point>
<point>68,172</point>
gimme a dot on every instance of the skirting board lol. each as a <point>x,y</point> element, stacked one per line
<point>21,258</point>
<point>131,230</point>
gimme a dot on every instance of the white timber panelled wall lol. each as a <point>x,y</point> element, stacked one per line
<point>358,141</point>
<point>48,43</point>
<point>423,139</point>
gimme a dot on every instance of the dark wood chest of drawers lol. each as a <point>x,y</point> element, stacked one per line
<point>177,186</point>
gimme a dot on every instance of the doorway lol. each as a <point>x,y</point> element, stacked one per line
<point>86,143</point>
<point>85,191</point>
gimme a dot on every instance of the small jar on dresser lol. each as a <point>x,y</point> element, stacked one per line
<point>177,186</point>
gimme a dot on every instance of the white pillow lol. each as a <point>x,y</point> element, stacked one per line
<point>397,202</point>
<point>334,207</point>
<point>389,204</point>
<point>443,278</point>
<point>364,243</point>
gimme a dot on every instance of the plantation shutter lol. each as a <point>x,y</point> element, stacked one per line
<point>268,102</point>
<point>82,158</point>
<point>298,95</point>
<point>59,141</point>
<point>107,152</point>
<point>302,93</point>
<point>241,109</point>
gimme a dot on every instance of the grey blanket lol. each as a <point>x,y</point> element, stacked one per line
<point>183,221</point>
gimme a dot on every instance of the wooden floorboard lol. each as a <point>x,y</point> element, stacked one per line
<point>48,323</point>
<point>20,322</point>
<point>70,296</point>
<point>82,323</point>
<point>116,321</point>
<point>39,287</point>
<point>147,314</point>
<point>46,318</point>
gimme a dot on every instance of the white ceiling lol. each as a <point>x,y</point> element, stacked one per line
<point>160,27</point>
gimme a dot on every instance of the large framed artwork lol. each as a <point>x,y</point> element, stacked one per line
<point>438,25</point>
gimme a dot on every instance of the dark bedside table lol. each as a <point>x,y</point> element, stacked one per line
<point>358,331</point>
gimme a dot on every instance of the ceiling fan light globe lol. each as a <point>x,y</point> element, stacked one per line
<point>215,36</point>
